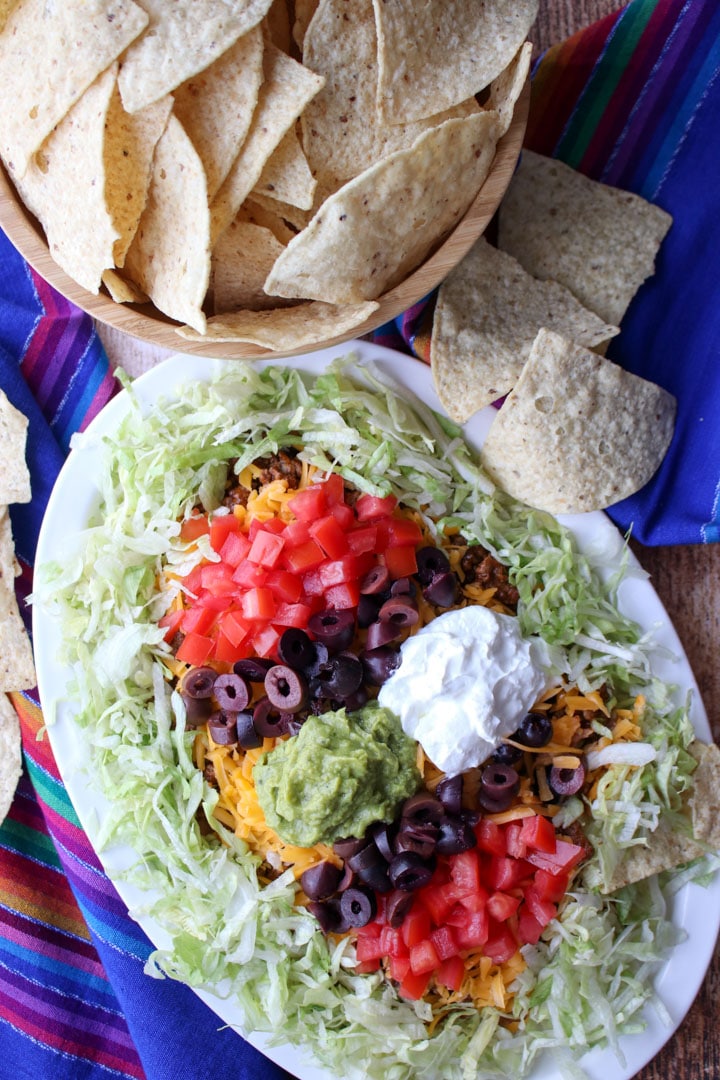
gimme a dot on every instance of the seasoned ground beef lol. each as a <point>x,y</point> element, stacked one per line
<point>481,568</point>
<point>285,465</point>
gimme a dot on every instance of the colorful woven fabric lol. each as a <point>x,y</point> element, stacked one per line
<point>632,101</point>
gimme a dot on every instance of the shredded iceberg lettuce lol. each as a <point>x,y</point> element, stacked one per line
<point>589,979</point>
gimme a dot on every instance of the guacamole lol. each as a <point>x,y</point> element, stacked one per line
<point>338,775</point>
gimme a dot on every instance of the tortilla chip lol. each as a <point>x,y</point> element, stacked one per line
<point>508,86</point>
<point>216,106</point>
<point>14,475</point>
<point>286,176</point>
<point>705,800</point>
<point>269,213</point>
<point>6,7</point>
<point>287,328</point>
<point>436,54</point>
<point>64,186</point>
<point>598,241</point>
<point>666,849</point>
<point>304,11</point>
<point>487,316</point>
<point>37,84</point>
<point>17,671</point>
<point>378,227</point>
<point>277,22</point>
<point>130,141</point>
<point>182,38</point>
<point>123,291</point>
<point>10,754</point>
<point>286,91</point>
<point>577,433</point>
<point>241,262</point>
<point>169,258</point>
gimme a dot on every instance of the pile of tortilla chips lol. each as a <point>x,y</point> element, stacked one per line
<point>260,170</point>
<point>17,671</point>
<point>530,320</point>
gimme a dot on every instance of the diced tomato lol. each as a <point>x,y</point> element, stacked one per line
<point>329,534</point>
<point>474,900</point>
<point>171,623</point>
<point>312,583</point>
<point>363,539</point>
<point>235,547</point>
<point>438,900</point>
<point>339,571</point>
<point>542,910</point>
<point>343,514</point>
<point>217,578</point>
<point>266,549</point>
<point>501,943</point>
<point>368,948</point>
<point>370,507</point>
<point>538,833</point>
<point>474,933</point>
<point>228,652</point>
<point>195,649</point>
<point>549,886</point>
<point>414,986</point>
<point>444,941</point>
<point>305,556</point>
<point>296,532</point>
<point>490,837</point>
<point>285,586</point>
<point>309,503</point>
<point>451,972</point>
<point>250,576</point>
<point>423,957</point>
<point>265,641</point>
<point>220,528</point>
<point>402,531</point>
<point>400,561</point>
<point>501,906</point>
<point>292,615</point>
<point>341,597</point>
<point>399,968</point>
<point>334,487</point>
<point>529,929</point>
<point>258,604</point>
<point>516,846</point>
<point>416,926</point>
<point>504,873</point>
<point>197,619</point>
<point>194,526</point>
<point>565,857</point>
<point>392,942</point>
<point>214,601</point>
<point>465,872</point>
<point>192,582</point>
<point>233,627</point>
<point>367,967</point>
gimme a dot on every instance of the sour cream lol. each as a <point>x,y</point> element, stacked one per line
<point>465,682</point>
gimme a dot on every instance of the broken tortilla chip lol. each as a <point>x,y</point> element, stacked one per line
<point>10,754</point>
<point>577,433</point>
<point>14,475</point>
<point>598,241</point>
<point>284,329</point>
<point>35,74</point>
<point>486,318</point>
<point>241,262</point>
<point>286,176</point>
<point>435,55</point>
<point>169,258</point>
<point>369,234</point>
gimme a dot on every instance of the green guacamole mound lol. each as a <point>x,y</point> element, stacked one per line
<point>338,775</point>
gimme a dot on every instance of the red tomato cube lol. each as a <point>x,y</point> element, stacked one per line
<point>501,944</point>
<point>287,587</point>
<point>538,833</point>
<point>195,649</point>
<point>194,526</point>
<point>363,539</point>
<point>565,857</point>
<point>292,615</point>
<point>341,597</point>
<point>402,531</point>
<point>249,576</point>
<point>306,556</point>
<point>542,910</point>
<point>258,603</point>
<point>235,547</point>
<point>501,906</point>
<point>265,641</point>
<point>451,972</point>
<point>220,528</point>
<point>416,926</point>
<point>370,507</point>
<point>491,837</point>
<point>474,933</point>
<point>400,561</point>
<point>265,549</point>
<point>414,986</point>
<point>328,533</point>
<point>309,503</point>
<point>444,941</point>
<point>423,957</point>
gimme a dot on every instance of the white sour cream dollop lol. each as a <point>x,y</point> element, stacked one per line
<point>465,682</point>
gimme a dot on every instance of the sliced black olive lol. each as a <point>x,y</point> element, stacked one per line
<point>328,914</point>
<point>356,701</point>
<point>269,721</point>
<point>400,612</point>
<point>375,581</point>
<point>247,735</point>
<point>535,730</point>
<point>431,561</point>
<point>506,754</point>
<point>397,906</point>
<point>358,907</point>
<point>343,675</point>
<point>450,792</point>
<point>423,809</point>
<point>383,833</point>
<point>254,668</point>
<point>231,692</point>
<point>197,710</point>
<point>421,839</point>
<point>296,649</point>
<point>409,872</point>
<point>336,629</point>
<point>320,881</point>
<point>567,781</point>
<point>223,729</point>
<point>403,586</point>
<point>455,836</point>
<point>499,781</point>
<point>321,656</point>
<point>442,590</point>
<point>199,682</point>
<point>371,868</point>
<point>285,688</point>
<point>346,847</point>
<point>379,664</point>
<point>347,879</point>
<point>367,609</point>
<point>380,634</point>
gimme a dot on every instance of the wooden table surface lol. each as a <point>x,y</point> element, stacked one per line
<point>687,579</point>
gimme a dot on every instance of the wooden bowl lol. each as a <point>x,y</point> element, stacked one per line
<point>147,323</point>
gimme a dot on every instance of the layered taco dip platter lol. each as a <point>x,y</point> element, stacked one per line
<point>259,586</point>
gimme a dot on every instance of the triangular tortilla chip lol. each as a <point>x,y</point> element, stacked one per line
<point>17,671</point>
<point>486,318</point>
<point>284,329</point>
<point>10,754</point>
<point>578,432</point>
<point>241,262</point>
<point>14,475</point>
<point>286,176</point>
